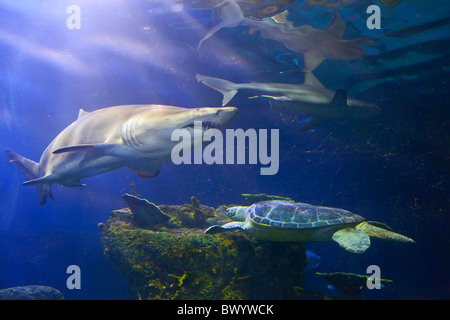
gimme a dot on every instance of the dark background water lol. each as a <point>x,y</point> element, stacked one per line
<point>394,169</point>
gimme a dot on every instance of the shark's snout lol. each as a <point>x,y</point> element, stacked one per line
<point>226,114</point>
<point>212,117</point>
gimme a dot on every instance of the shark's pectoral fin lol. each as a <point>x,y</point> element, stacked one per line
<point>95,148</point>
<point>337,26</point>
<point>37,181</point>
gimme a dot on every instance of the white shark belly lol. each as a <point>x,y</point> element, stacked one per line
<point>69,168</point>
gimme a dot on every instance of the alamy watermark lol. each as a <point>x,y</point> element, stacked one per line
<point>74,280</point>
<point>374,280</point>
<point>231,149</point>
<point>374,21</point>
<point>73,22</point>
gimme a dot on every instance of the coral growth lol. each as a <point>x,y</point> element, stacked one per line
<point>179,262</point>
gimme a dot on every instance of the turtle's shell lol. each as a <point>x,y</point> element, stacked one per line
<point>287,214</point>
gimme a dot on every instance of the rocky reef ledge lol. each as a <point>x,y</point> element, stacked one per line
<point>175,260</point>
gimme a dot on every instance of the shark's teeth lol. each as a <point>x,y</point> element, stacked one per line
<point>205,125</point>
<point>209,125</point>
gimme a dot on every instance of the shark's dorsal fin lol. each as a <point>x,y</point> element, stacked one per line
<point>281,17</point>
<point>82,113</point>
<point>337,26</point>
<point>339,99</point>
<point>311,80</point>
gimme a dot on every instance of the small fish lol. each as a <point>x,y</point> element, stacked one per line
<point>313,261</point>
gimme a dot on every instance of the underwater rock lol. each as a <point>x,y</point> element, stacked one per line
<point>31,293</point>
<point>349,283</point>
<point>173,261</point>
<point>148,215</point>
<point>145,213</point>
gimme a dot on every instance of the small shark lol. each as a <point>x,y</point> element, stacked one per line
<point>310,98</point>
<point>134,136</point>
<point>316,45</point>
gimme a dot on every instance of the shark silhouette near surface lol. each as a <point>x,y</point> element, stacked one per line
<point>316,45</point>
<point>310,98</point>
<point>134,136</point>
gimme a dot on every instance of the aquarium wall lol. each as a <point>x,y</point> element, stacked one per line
<point>195,107</point>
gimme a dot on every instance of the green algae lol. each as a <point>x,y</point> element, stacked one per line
<point>350,284</point>
<point>175,262</point>
<point>254,198</point>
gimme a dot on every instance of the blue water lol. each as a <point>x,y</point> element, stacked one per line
<point>394,169</point>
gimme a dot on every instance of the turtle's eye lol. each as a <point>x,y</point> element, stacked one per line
<point>231,212</point>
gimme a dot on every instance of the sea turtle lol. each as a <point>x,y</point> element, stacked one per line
<point>280,220</point>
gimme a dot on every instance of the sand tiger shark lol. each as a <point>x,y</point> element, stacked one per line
<point>310,98</point>
<point>316,45</point>
<point>134,136</point>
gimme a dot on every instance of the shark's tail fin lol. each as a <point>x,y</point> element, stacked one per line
<point>227,88</point>
<point>30,170</point>
<point>230,16</point>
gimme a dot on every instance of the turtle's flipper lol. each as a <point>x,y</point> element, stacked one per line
<point>353,240</point>
<point>226,227</point>
<point>381,233</point>
<point>145,213</point>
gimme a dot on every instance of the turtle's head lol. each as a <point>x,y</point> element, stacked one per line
<point>237,213</point>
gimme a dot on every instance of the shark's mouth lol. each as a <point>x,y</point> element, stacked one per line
<point>205,125</point>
